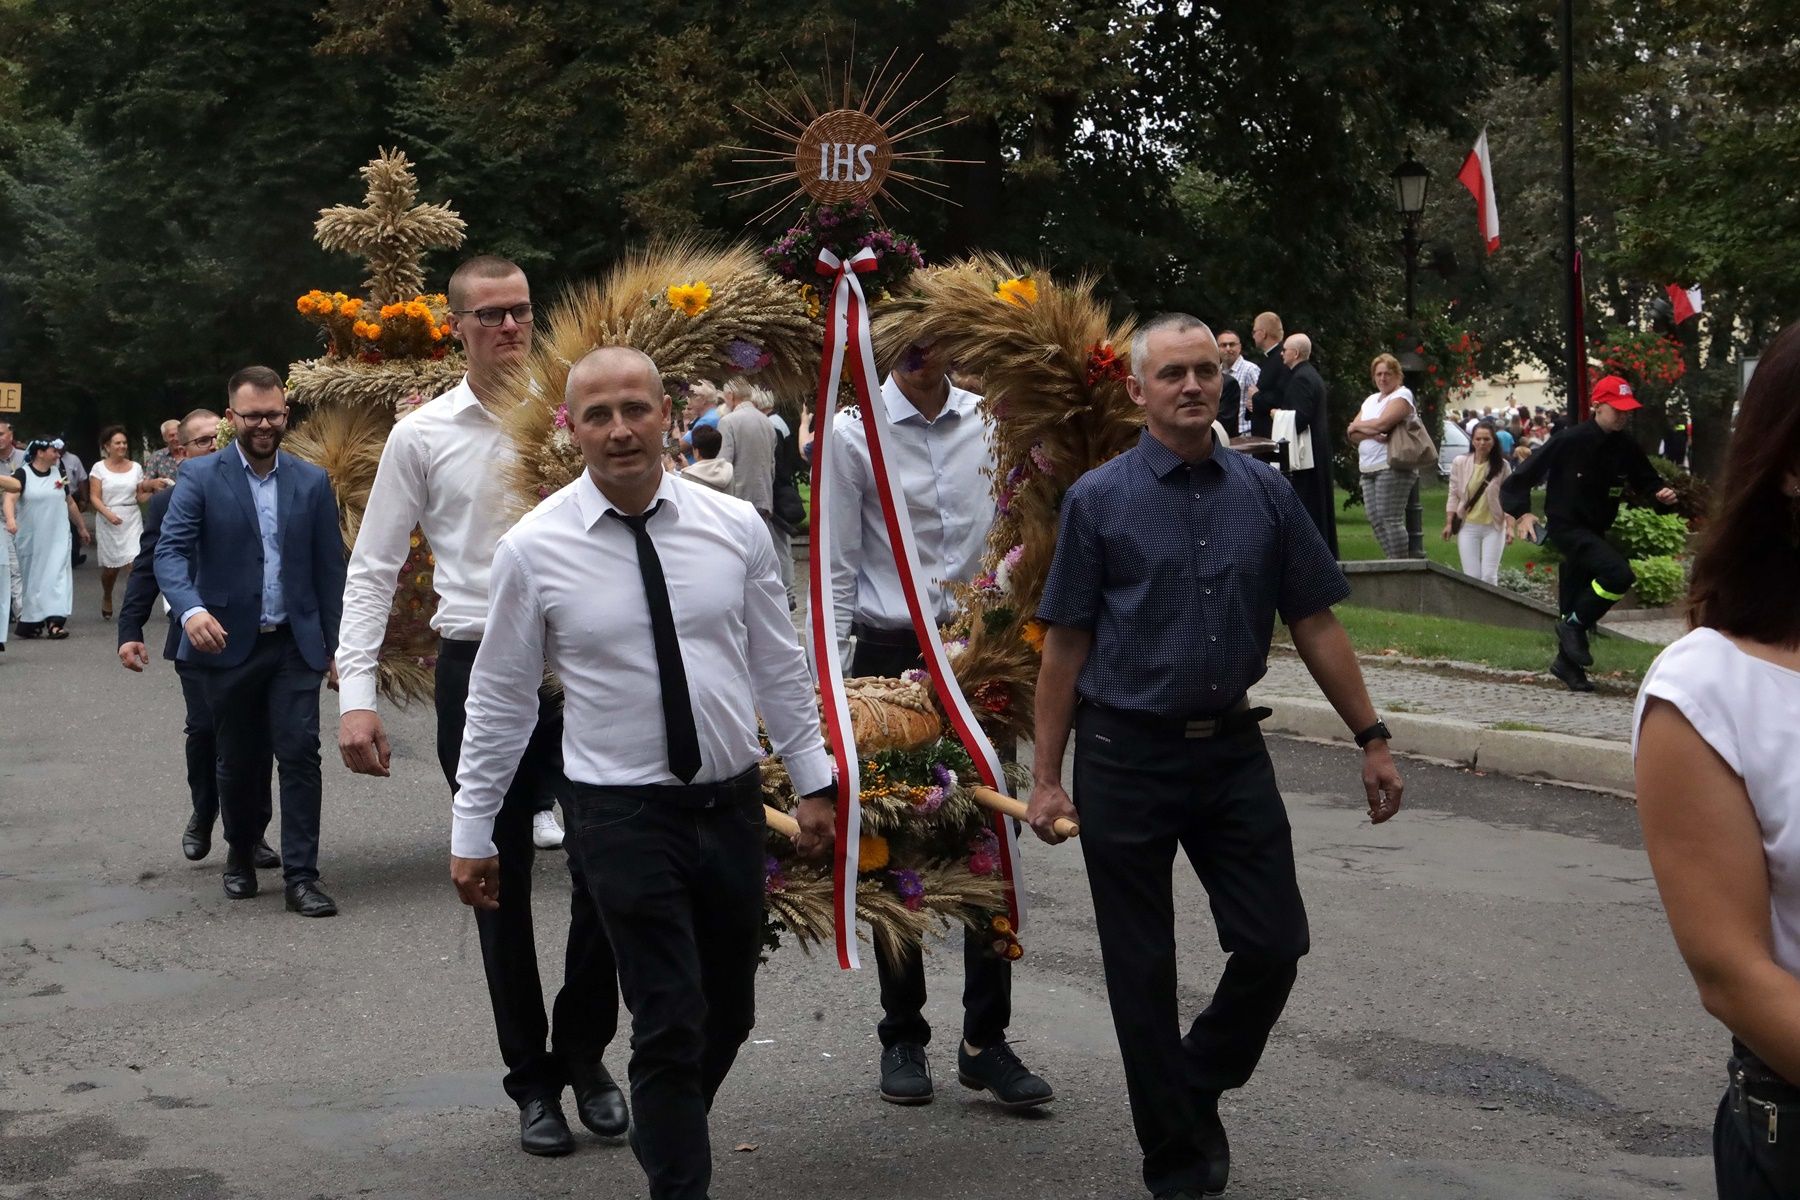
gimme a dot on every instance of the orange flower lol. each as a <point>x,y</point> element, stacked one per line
<point>1021,291</point>
<point>1033,636</point>
<point>871,854</point>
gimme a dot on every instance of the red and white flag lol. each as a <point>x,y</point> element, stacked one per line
<point>1687,302</point>
<point>1477,175</point>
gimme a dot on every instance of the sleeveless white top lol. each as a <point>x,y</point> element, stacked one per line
<point>1372,455</point>
<point>1747,709</point>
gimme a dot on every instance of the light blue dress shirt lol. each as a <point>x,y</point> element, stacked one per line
<point>262,493</point>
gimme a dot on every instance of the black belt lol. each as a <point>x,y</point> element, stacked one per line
<point>893,639</point>
<point>739,789</point>
<point>457,650</point>
<point>1760,1096</point>
<point>1227,720</point>
<point>265,630</point>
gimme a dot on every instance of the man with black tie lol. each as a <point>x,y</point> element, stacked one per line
<point>197,434</point>
<point>251,557</point>
<point>655,600</point>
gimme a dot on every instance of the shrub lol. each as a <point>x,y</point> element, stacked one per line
<point>1692,496</point>
<point>1642,533</point>
<point>1660,580</point>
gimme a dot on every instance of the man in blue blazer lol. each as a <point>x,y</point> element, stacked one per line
<point>198,436</point>
<point>251,558</point>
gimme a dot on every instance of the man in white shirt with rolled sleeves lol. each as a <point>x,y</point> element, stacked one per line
<point>943,448</point>
<point>654,600</point>
<point>441,471</point>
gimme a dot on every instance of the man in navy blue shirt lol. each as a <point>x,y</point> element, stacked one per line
<point>1172,562</point>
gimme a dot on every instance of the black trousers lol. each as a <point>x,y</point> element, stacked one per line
<point>269,704</point>
<point>1747,1164</point>
<point>1593,574</point>
<point>203,749</point>
<point>987,978</point>
<point>1141,793</point>
<point>681,892</point>
<point>538,1051</point>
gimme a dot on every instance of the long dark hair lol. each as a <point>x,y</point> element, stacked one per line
<point>1496,462</point>
<point>1748,570</point>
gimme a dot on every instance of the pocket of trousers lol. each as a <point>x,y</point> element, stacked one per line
<point>587,815</point>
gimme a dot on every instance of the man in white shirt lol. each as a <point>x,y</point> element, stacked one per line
<point>654,599</point>
<point>944,451</point>
<point>441,471</point>
<point>1231,358</point>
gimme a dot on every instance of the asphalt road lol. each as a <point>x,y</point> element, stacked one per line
<point>1493,1006</point>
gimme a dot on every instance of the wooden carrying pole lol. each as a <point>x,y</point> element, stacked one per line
<point>989,799</point>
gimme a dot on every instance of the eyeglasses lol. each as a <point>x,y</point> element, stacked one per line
<point>271,419</point>
<point>211,439</point>
<point>492,317</point>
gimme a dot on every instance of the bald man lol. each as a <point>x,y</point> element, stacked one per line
<point>1265,394</point>
<point>655,600</point>
<point>1303,391</point>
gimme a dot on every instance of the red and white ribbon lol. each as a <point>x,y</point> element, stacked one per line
<point>849,315</point>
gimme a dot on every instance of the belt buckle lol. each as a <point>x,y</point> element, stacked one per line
<point>267,628</point>
<point>1201,729</point>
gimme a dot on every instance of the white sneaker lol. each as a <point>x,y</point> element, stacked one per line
<point>546,834</point>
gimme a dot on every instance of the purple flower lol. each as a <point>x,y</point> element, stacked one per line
<point>914,676</point>
<point>1039,458</point>
<point>934,800</point>
<point>943,776</point>
<point>562,417</point>
<point>773,880</point>
<point>910,886</point>
<point>746,356</point>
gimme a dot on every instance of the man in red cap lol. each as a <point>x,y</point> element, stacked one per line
<point>1585,470</point>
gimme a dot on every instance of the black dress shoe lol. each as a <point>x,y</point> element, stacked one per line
<point>1572,640</point>
<point>266,859</point>
<point>543,1129</point>
<point>598,1101</point>
<point>240,875</point>
<point>1217,1149</point>
<point>196,839</point>
<point>998,1070</point>
<point>905,1077</point>
<point>309,900</point>
<point>1572,676</point>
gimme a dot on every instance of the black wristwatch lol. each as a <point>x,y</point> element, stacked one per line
<point>1378,730</point>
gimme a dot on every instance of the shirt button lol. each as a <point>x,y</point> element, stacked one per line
<point>1212,637</point>
<point>1209,591</point>
<point>1215,687</point>
<point>1203,541</point>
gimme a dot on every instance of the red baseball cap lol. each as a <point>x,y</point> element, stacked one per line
<point>1616,392</point>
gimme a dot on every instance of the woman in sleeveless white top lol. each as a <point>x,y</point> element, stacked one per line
<point>115,486</point>
<point>1386,489</point>
<point>1718,782</point>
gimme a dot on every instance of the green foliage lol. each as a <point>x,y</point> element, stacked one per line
<point>1693,496</point>
<point>1660,580</point>
<point>1645,533</point>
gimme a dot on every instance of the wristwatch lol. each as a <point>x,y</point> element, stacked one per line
<point>1378,730</point>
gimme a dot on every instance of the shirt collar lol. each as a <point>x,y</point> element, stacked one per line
<point>235,445</point>
<point>463,397</point>
<point>1161,460</point>
<point>899,408</point>
<point>592,503</point>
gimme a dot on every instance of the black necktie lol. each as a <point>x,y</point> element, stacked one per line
<point>678,710</point>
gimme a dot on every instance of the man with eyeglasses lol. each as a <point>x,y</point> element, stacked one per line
<point>1244,372</point>
<point>197,436</point>
<point>442,472</point>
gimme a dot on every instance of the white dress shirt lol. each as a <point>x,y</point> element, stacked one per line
<point>567,591</point>
<point>442,471</point>
<point>946,467</point>
<point>1246,373</point>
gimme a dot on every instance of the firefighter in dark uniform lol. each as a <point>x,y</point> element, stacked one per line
<point>1584,470</point>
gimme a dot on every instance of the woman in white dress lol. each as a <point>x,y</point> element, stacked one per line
<point>41,518</point>
<point>116,486</point>
<point>8,487</point>
<point>1718,783</point>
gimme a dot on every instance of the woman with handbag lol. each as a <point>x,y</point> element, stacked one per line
<point>1386,485</point>
<point>1472,512</point>
<point>1718,783</point>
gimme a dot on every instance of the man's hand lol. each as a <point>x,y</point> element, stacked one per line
<point>817,816</point>
<point>477,880</point>
<point>12,526</point>
<point>331,676</point>
<point>363,744</point>
<point>133,656</point>
<point>1527,526</point>
<point>1667,496</point>
<point>204,633</point>
<point>87,539</point>
<point>1049,802</point>
<point>1381,780</point>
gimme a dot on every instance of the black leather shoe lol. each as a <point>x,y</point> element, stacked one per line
<point>240,875</point>
<point>309,900</point>
<point>998,1070</point>
<point>1217,1148</point>
<point>1572,676</point>
<point>543,1129</point>
<point>196,839</point>
<point>905,1077</point>
<point>598,1101</point>
<point>1572,640</point>
<point>266,859</point>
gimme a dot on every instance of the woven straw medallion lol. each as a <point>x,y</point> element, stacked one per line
<point>843,155</point>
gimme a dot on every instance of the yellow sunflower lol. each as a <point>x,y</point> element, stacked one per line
<point>1021,291</point>
<point>690,298</point>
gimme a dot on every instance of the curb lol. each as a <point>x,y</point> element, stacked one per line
<point>1528,754</point>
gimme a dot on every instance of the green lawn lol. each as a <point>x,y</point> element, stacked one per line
<point>1376,631</point>
<point>1356,541</point>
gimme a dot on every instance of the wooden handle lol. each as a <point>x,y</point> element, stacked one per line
<point>780,822</point>
<point>1012,807</point>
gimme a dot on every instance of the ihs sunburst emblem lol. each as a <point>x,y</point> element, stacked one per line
<point>846,153</point>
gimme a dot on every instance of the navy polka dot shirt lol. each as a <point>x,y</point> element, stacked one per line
<point>1179,569</point>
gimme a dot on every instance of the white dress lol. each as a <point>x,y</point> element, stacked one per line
<point>1744,708</point>
<point>118,544</point>
<point>43,541</point>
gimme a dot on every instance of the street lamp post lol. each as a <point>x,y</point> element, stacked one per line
<point>1411,179</point>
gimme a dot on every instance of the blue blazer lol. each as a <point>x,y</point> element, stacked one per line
<point>210,556</point>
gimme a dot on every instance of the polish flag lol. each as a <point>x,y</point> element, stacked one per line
<point>1687,302</point>
<point>1477,175</point>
